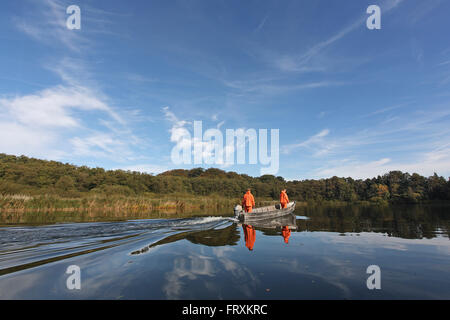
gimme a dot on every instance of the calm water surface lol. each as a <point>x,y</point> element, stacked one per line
<point>318,253</point>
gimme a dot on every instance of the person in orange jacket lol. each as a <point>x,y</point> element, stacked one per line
<point>248,202</point>
<point>249,235</point>
<point>284,199</point>
<point>286,233</point>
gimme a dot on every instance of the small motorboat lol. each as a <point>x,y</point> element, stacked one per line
<point>263,213</point>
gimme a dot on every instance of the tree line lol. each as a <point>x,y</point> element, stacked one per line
<point>29,176</point>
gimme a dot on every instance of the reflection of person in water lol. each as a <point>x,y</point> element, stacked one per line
<point>286,233</point>
<point>250,236</point>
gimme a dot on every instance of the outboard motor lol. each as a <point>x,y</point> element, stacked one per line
<point>237,211</point>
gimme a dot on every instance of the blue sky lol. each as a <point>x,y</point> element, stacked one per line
<point>348,101</point>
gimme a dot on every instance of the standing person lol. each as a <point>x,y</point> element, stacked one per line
<point>284,199</point>
<point>248,202</point>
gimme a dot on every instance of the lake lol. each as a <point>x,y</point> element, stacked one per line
<point>318,253</point>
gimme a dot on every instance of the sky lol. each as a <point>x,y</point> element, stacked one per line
<point>347,101</point>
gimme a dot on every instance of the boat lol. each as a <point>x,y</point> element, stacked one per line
<point>263,213</point>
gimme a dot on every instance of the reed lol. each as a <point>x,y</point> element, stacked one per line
<point>118,203</point>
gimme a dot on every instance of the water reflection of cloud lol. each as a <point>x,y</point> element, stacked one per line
<point>12,288</point>
<point>242,277</point>
<point>341,262</point>
<point>197,265</point>
<point>336,274</point>
<point>190,267</point>
<point>369,240</point>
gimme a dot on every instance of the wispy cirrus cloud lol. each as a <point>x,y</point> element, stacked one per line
<point>425,163</point>
<point>421,144</point>
<point>386,109</point>
<point>271,87</point>
<point>261,24</point>
<point>75,118</point>
<point>46,23</point>
<point>305,62</point>
<point>311,142</point>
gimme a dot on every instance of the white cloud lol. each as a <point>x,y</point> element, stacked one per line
<point>315,140</point>
<point>172,118</point>
<point>145,168</point>
<point>444,63</point>
<point>74,119</point>
<point>367,239</point>
<point>52,107</point>
<point>425,164</point>
<point>220,124</point>
<point>100,145</point>
<point>50,123</point>
<point>210,152</point>
<point>419,143</point>
<point>183,139</point>
<point>185,269</point>
<point>356,169</point>
<point>18,139</point>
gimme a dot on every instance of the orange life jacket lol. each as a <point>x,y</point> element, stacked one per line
<point>284,199</point>
<point>248,200</point>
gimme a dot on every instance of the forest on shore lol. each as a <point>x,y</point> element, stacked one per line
<point>20,175</point>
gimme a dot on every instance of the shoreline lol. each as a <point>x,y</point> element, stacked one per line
<point>44,209</point>
<point>20,203</point>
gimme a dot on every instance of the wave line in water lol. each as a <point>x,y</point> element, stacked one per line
<point>29,247</point>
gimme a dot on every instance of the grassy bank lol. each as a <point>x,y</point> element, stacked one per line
<point>18,209</point>
<point>149,202</point>
<point>118,203</point>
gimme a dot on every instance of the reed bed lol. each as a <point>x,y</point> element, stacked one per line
<point>116,203</point>
<point>18,209</point>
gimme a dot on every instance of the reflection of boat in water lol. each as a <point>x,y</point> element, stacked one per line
<point>283,224</point>
<point>225,233</point>
<point>263,213</point>
<point>228,236</point>
<point>277,223</point>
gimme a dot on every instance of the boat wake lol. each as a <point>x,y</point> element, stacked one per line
<point>30,246</point>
